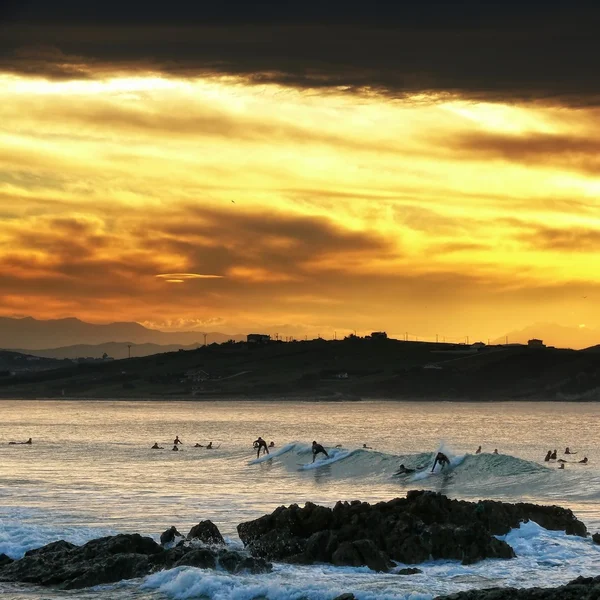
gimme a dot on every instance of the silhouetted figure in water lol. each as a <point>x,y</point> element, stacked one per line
<point>583,461</point>
<point>177,440</point>
<point>210,446</point>
<point>495,450</point>
<point>562,466</point>
<point>365,447</point>
<point>568,451</point>
<point>175,448</point>
<point>27,443</point>
<point>198,446</point>
<point>553,455</point>
<point>442,459</point>
<point>561,460</point>
<point>318,449</point>
<point>478,451</point>
<point>258,444</point>
<point>402,470</point>
<point>272,445</point>
<point>548,455</point>
<point>156,447</point>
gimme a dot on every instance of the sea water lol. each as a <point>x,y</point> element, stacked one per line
<point>90,472</point>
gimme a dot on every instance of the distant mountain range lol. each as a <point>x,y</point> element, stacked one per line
<point>115,350</point>
<point>554,335</point>
<point>72,338</point>
<point>32,334</point>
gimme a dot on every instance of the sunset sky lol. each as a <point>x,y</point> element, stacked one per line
<point>426,171</point>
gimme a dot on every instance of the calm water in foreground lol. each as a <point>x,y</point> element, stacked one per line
<point>90,472</point>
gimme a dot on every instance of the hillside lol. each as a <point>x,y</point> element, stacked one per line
<point>16,362</point>
<point>113,349</point>
<point>32,334</point>
<point>358,368</point>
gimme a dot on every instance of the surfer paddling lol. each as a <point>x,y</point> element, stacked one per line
<point>402,470</point>
<point>27,443</point>
<point>442,459</point>
<point>156,447</point>
<point>318,449</point>
<point>258,444</point>
<point>478,451</point>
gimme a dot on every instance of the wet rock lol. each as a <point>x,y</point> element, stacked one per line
<point>249,564</point>
<point>596,538</point>
<point>411,530</point>
<point>409,571</point>
<point>579,589</point>
<point>111,559</point>
<point>199,557</point>
<point>206,532</point>
<point>60,546</point>
<point>346,596</point>
<point>5,560</point>
<point>359,553</point>
<point>168,536</point>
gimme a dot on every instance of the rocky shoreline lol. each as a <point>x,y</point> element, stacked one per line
<point>421,527</point>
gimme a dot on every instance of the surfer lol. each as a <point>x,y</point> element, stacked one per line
<point>402,470</point>
<point>175,448</point>
<point>553,455</point>
<point>562,465</point>
<point>318,449</point>
<point>258,444</point>
<point>210,446</point>
<point>177,440</point>
<point>568,451</point>
<point>198,445</point>
<point>583,461</point>
<point>156,447</point>
<point>478,451</point>
<point>272,445</point>
<point>561,460</point>
<point>548,455</point>
<point>495,450</point>
<point>28,442</point>
<point>365,447</point>
<point>442,459</point>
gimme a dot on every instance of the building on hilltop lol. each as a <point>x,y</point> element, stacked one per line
<point>379,335</point>
<point>258,338</point>
<point>535,343</point>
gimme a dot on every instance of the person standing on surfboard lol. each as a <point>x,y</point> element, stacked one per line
<point>318,449</point>
<point>442,459</point>
<point>258,444</point>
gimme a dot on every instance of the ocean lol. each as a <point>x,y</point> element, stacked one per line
<point>90,472</point>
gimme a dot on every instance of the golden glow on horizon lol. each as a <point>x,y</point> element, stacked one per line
<point>276,206</point>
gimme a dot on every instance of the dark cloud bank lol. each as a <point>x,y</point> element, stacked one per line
<point>547,52</point>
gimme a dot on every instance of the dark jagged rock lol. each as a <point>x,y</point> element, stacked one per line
<point>207,532</point>
<point>60,546</point>
<point>111,559</point>
<point>409,571</point>
<point>5,560</point>
<point>581,588</point>
<point>596,538</point>
<point>168,536</point>
<point>411,530</point>
<point>202,558</point>
<point>361,552</point>
<point>346,596</point>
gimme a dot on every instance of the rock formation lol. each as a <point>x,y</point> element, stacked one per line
<point>411,530</point>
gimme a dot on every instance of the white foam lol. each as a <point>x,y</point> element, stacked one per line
<point>285,583</point>
<point>16,537</point>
